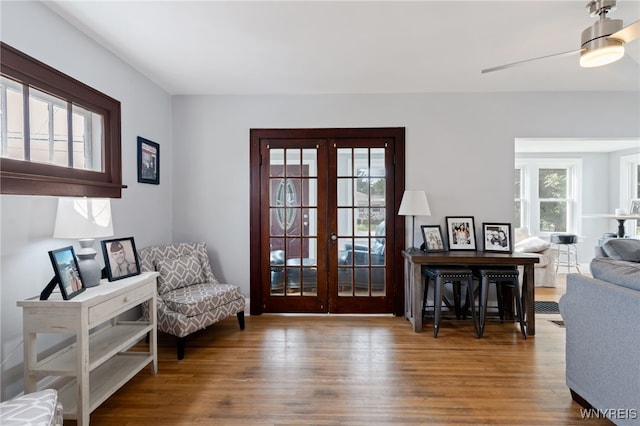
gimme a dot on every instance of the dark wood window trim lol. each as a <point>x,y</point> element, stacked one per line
<point>26,178</point>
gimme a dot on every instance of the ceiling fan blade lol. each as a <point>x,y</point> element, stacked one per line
<point>628,33</point>
<point>513,64</point>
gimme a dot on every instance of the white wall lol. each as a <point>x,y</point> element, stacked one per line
<point>144,211</point>
<point>459,149</point>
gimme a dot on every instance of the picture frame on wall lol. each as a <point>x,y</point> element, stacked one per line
<point>497,237</point>
<point>120,258</point>
<point>148,161</point>
<point>433,241</point>
<point>461,232</point>
<point>634,209</point>
<point>67,273</point>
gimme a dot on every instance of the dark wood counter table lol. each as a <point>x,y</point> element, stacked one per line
<point>414,290</point>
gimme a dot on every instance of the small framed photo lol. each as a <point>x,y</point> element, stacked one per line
<point>635,207</point>
<point>120,258</point>
<point>67,272</point>
<point>432,238</point>
<point>461,233</point>
<point>497,237</point>
<point>148,161</point>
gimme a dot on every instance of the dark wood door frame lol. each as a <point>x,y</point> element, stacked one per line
<point>255,223</point>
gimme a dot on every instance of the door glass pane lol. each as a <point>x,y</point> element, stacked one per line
<point>361,161</point>
<point>293,222</point>
<point>361,224</point>
<point>344,162</point>
<point>310,159</point>
<point>293,159</point>
<point>344,192</point>
<point>276,157</point>
<point>377,163</point>
<point>309,189</point>
<point>309,222</point>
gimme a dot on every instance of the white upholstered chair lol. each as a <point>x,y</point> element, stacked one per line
<point>190,297</point>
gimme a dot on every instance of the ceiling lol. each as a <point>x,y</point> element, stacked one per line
<point>340,47</point>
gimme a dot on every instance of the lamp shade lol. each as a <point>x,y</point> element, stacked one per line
<point>83,218</point>
<point>414,203</point>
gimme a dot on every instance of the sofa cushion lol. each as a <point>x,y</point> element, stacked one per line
<point>622,249</point>
<point>626,274</point>
<point>200,298</point>
<point>532,245</point>
<point>179,272</point>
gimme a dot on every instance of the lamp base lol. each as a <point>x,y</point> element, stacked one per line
<point>89,267</point>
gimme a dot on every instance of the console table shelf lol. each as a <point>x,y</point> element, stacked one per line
<point>99,361</point>
<point>104,381</point>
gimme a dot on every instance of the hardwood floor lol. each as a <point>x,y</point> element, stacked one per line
<point>355,370</point>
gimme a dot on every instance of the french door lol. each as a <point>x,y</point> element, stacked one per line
<point>323,218</point>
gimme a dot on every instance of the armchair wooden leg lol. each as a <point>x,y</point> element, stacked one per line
<point>240,316</point>
<point>182,342</point>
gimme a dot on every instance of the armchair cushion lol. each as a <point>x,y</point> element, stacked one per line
<point>200,298</point>
<point>179,272</point>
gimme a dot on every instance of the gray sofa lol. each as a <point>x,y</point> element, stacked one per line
<point>602,319</point>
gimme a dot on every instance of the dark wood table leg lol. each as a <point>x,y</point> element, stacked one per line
<point>529,306</point>
<point>417,296</point>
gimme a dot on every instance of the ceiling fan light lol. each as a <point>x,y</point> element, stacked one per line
<point>601,56</point>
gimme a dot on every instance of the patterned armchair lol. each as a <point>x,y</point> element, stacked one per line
<point>189,296</point>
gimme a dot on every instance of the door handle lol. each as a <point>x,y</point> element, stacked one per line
<point>334,237</point>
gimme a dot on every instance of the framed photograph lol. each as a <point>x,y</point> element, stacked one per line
<point>461,232</point>
<point>432,238</point>
<point>120,258</point>
<point>497,237</point>
<point>65,265</point>
<point>148,161</point>
<point>635,207</point>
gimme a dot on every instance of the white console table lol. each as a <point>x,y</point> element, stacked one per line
<point>99,362</point>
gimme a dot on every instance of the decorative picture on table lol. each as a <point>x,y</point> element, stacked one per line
<point>432,238</point>
<point>67,272</point>
<point>120,258</point>
<point>497,237</point>
<point>461,232</point>
<point>635,207</point>
<point>148,161</point>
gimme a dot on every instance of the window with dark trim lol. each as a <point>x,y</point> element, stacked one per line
<point>58,136</point>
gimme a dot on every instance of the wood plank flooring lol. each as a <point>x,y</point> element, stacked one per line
<point>352,370</point>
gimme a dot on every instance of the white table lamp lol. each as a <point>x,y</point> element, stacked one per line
<point>84,219</point>
<point>414,203</point>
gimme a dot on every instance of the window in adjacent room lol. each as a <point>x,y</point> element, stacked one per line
<point>630,187</point>
<point>57,135</point>
<point>547,189</point>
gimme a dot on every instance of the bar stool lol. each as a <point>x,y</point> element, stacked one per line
<point>456,276</point>
<point>503,279</point>
<point>566,245</point>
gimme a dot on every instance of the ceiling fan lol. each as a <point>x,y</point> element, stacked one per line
<point>601,44</point>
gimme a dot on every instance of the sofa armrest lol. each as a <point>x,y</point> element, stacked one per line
<point>602,348</point>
